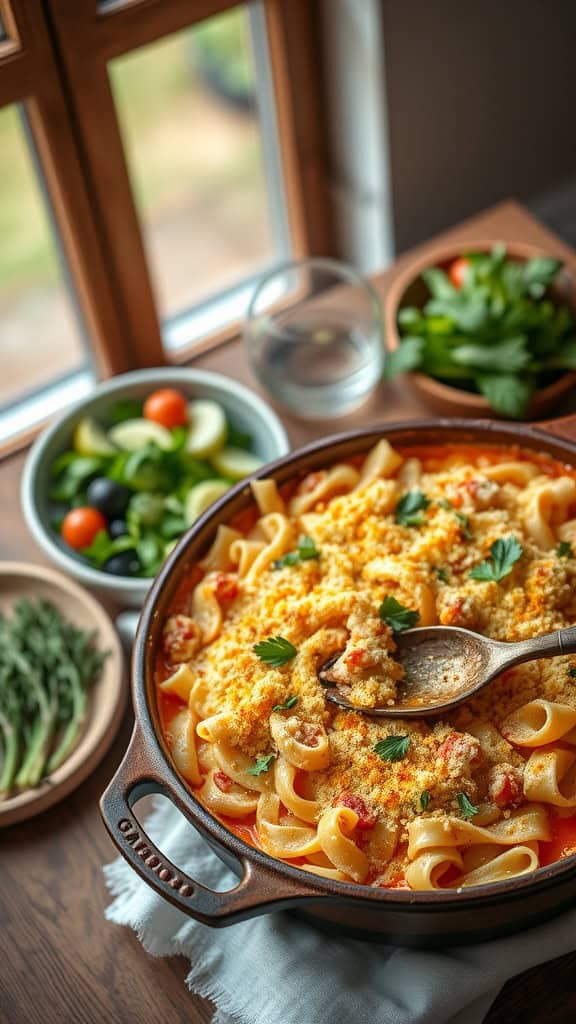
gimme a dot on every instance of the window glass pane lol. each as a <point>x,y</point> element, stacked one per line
<point>194,109</point>
<point>40,337</point>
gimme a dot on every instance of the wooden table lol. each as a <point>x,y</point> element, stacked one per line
<point>60,960</point>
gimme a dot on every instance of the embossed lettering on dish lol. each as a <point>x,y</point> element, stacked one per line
<point>140,846</point>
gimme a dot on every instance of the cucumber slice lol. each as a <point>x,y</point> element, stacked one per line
<point>236,463</point>
<point>207,431</point>
<point>131,435</point>
<point>201,496</point>
<point>90,439</point>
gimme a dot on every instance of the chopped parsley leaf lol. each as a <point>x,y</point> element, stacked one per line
<point>393,748</point>
<point>564,550</point>
<point>505,551</point>
<point>425,800</point>
<point>275,651</point>
<point>467,809</point>
<point>409,510</point>
<point>262,764</point>
<point>396,616</point>
<point>306,550</point>
<point>290,703</point>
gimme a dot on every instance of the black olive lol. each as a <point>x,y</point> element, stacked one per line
<point>109,497</point>
<point>117,528</point>
<point>126,563</point>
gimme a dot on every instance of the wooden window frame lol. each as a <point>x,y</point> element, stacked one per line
<point>55,61</point>
<point>113,30</point>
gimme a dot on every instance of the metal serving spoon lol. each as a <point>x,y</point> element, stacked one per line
<point>445,665</point>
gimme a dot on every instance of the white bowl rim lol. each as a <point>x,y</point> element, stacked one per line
<point>159,375</point>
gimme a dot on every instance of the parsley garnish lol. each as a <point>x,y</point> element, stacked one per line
<point>505,553</point>
<point>564,550</point>
<point>463,519</point>
<point>467,810</point>
<point>396,615</point>
<point>409,509</point>
<point>464,522</point>
<point>425,800</point>
<point>290,703</point>
<point>275,651</point>
<point>393,748</point>
<point>441,573</point>
<point>262,764</point>
<point>572,672</point>
<point>306,550</point>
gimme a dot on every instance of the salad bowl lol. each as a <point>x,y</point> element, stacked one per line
<point>244,410</point>
<point>410,290</point>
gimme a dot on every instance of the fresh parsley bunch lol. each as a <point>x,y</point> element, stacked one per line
<point>491,328</point>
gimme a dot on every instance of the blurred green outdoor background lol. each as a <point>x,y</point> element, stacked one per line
<point>193,146</point>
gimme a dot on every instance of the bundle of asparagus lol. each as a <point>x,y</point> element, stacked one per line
<point>46,668</point>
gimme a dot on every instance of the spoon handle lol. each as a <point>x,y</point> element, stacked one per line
<point>562,641</point>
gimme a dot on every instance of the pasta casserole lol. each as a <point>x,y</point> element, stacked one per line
<point>324,573</point>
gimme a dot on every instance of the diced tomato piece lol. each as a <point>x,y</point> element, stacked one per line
<point>366,818</point>
<point>309,734</point>
<point>223,781</point>
<point>311,481</point>
<point>458,270</point>
<point>399,882</point>
<point>459,750</point>
<point>355,658</point>
<point>505,785</point>
<point>225,586</point>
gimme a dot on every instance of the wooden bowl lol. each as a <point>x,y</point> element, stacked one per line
<point>410,290</point>
<point>107,698</point>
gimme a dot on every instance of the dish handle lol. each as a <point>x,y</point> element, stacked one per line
<point>260,889</point>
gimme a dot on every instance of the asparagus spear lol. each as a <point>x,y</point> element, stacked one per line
<point>46,668</point>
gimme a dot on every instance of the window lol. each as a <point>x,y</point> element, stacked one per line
<point>37,312</point>
<point>167,154</point>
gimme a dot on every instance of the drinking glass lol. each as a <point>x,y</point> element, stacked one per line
<point>313,334</point>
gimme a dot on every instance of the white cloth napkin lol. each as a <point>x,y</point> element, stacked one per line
<point>278,970</point>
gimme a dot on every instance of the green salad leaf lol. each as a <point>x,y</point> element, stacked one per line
<point>502,333</point>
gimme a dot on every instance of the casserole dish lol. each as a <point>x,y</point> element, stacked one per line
<point>266,884</point>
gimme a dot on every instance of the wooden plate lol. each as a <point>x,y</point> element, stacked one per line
<point>107,698</point>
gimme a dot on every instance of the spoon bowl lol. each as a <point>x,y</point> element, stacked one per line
<point>445,665</point>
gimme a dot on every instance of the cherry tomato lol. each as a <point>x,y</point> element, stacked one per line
<point>457,271</point>
<point>81,525</point>
<point>167,407</point>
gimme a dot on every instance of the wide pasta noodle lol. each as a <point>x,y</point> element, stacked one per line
<point>550,776</point>
<point>381,461</point>
<point>284,778</point>
<point>430,866</point>
<point>288,839</point>
<point>236,802</point>
<point>290,737</point>
<point>236,766</point>
<point>218,556</point>
<point>337,480</point>
<point>334,828</point>
<point>542,498</point>
<point>526,824</point>
<point>182,738</point>
<point>279,535</point>
<point>267,497</point>
<point>539,722</point>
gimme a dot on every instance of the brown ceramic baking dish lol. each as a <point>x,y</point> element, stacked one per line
<point>266,884</point>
